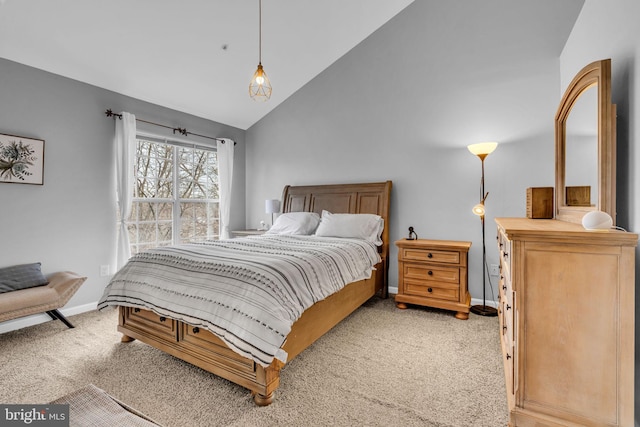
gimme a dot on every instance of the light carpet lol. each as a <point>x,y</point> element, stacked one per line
<point>379,367</point>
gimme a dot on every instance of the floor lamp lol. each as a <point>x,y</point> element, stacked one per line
<point>482,150</point>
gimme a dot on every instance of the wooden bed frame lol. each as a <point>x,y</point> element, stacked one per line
<point>202,348</point>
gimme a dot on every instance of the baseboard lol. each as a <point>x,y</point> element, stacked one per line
<point>23,322</point>
<point>474,301</point>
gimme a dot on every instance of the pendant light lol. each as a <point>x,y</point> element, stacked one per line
<point>260,86</point>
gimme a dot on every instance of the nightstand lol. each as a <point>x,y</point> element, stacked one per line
<point>250,232</point>
<point>433,273</point>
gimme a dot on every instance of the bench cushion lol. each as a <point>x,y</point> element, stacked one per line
<point>21,276</point>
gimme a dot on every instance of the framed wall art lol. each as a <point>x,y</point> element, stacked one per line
<point>21,160</point>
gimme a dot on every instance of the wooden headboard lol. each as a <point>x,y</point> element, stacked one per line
<point>373,198</point>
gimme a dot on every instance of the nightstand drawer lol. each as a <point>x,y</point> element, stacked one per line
<point>431,291</point>
<point>429,273</point>
<point>445,257</point>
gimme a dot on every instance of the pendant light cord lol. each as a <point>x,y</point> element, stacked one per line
<point>260,32</point>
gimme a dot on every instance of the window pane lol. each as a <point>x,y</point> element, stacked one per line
<point>165,189</point>
<point>147,211</point>
<point>133,233</point>
<point>147,233</point>
<point>145,187</point>
<point>165,232</point>
<point>214,220</point>
<point>201,221</point>
<point>165,211</point>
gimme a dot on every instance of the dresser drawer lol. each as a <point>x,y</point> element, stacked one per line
<point>435,290</point>
<point>203,342</point>
<point>430,273</point>
<point>147,321</point>
<point>436,256</point>
<point>504,244</point>
<point>504,248</point>
<point>506,290</point>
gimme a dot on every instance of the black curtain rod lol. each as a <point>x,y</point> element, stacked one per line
<point>182,131</point>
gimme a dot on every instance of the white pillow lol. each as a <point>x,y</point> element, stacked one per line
<point>362,226</point>
<point>303,223</point>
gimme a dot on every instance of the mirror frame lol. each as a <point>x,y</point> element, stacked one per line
<point>598,73</point>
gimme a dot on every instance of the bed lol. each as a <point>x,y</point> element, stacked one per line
<point>189,341</point>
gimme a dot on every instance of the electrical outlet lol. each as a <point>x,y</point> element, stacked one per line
<point>104,270</point>
<point>494,270</point>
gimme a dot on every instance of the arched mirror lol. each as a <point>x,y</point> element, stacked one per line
<point>585,145</point>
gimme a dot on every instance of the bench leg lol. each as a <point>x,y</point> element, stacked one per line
<point>56,315</point>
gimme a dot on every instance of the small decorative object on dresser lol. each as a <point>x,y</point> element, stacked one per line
<point>540,202</point>
<point>433,273</point>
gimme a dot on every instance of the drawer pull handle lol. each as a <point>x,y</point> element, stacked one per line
<point>430,290</point>
<point>504,287</point>
<point>163,319</point>
<point>504,328</point>
<point>136,310</point>
<point>506,254</point>
<point>196,330</point>
<point>508,356</point>
<point>430,273</point>
<point>508,307</point>
<point>429,255</point>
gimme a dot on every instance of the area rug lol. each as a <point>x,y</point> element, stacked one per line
<point>93,407</point>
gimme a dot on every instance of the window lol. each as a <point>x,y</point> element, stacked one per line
<point>176,197</point>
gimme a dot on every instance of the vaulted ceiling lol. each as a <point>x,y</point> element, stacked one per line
<point>196,56</point>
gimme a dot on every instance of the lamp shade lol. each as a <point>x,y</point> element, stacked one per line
<point>272,206</point>
<point>482,149</point>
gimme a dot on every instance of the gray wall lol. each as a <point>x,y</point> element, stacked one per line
<point>403,105</point>
<point>69,223</point>
<point>610,30</point>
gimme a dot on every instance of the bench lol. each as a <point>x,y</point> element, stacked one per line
<point>41,299</point>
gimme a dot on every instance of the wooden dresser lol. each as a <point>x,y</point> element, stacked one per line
<point>567,323</point>
<point>434,273</point>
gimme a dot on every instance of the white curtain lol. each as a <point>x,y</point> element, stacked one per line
<point>225,175</point>
<point>125,144</point>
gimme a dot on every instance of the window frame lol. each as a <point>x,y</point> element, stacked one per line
<point>176,201</point>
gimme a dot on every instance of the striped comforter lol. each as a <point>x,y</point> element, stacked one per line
<point>247,291</point>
